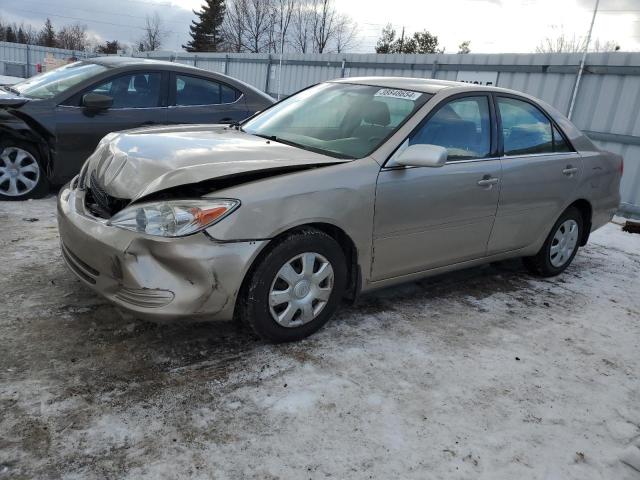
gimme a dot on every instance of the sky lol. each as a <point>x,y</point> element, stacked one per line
<point>492,26</point>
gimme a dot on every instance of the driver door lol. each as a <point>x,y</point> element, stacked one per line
<point>429,217</point>
<point>139,99</point>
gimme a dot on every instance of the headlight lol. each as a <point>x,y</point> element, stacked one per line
<point>173,218</point>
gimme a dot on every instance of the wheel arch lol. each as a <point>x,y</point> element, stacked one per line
<point>354,275</point>
<point>586,210</point>
<point>29,137</point>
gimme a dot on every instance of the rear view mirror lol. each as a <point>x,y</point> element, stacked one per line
<point>423,156</point>
<point>97,101</point>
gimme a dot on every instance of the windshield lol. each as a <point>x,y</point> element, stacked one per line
<point>57,81</point>
<point>338,119</point>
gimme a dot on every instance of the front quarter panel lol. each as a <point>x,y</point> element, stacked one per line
<point>341,195</point>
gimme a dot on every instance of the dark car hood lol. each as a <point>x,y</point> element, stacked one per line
<point>136,163</point>
<point>8,99</point>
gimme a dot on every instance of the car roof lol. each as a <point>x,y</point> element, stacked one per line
<point>425,85</point>
<point>116,61</point>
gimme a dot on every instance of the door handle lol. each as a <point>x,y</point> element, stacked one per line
<point>488,181</point>
<point>569,170</point>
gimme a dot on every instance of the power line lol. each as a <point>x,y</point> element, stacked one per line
<point>80,19</point>
<point>112,13</point>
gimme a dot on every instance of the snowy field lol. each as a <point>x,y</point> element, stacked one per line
<point>482,374</point>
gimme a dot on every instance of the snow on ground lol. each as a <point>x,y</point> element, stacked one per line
<point>486,374</point>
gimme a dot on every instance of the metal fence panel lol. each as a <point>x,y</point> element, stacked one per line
<point>607,105</point>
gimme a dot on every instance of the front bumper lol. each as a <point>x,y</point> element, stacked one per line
<point>153,277</point>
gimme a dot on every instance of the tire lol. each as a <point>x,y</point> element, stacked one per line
<point>310,296</point>
<point>22,175</point>
<point>560,247</point>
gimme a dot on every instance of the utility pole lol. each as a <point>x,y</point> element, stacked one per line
<point>401,40</point>
<point>281,53</point>
<point>584,58</point>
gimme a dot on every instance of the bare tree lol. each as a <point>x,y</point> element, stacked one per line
<point>323,24</point>
<point>154,33</point>
<point>233,26</point>
<point>72,37</point>
<point>301,27</point>
<point>564,44</point>
<point>283,15</point>
<point>345,33</point>
<point>257,22</point>
<point>272,26</point>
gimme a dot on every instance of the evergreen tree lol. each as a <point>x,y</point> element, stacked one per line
<point>385,42</point>
<point>47,36</point>
<point>109,48</point>
<point>21,37</point>
<point>10,35</point>
<point>206,32</point>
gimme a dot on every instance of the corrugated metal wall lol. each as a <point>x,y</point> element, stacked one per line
<point>607,105</point>
<point>20,60</point>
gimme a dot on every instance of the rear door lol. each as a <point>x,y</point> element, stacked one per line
<point>428,217</point>
<point>139,99</point>
<point>195,99</point>
<point>540,171</point>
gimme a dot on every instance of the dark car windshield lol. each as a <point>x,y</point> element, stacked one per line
<point>338,119</point>
<point>56,81</point>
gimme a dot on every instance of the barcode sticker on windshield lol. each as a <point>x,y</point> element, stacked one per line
<point>390,92</point>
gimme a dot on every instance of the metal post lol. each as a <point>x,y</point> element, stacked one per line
<point>280,63</point>
<point>28,72</point>
<point>195,60</point>
<point>226,64</point>
<point>266,80</point>
<point>344,62</point>
<point>584,58</point>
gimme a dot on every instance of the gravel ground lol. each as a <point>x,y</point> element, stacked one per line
<point>486,373</point>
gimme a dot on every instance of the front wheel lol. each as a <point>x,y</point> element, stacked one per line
<point>21,172</point>
<point>560,247</point>
<point>295,288</point>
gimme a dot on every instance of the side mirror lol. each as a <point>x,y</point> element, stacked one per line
<point>423,156</point>
<point>97,101</point>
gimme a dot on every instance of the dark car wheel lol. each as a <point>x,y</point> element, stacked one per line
<point>560,247</point>
<point>295,288</point>
<point>21,172</point>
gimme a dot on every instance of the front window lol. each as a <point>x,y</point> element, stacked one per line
<point>57,81</point>
<point>461,126</point>
<point>338,119</point>
<point>137,90</point>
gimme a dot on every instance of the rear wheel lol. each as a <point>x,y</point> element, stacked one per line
<point>21,172</point>
<point>560,247</point>
<point>295,288</point>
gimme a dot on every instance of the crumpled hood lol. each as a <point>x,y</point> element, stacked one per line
<point>136,163</point>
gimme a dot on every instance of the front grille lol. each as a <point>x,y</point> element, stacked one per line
<point>100,203</point>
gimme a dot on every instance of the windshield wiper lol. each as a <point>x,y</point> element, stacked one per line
<point>309,148</point>
<point>236,125</point>
<point>11,89</point>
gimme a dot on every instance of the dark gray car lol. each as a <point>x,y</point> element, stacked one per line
<point>51,123</point>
